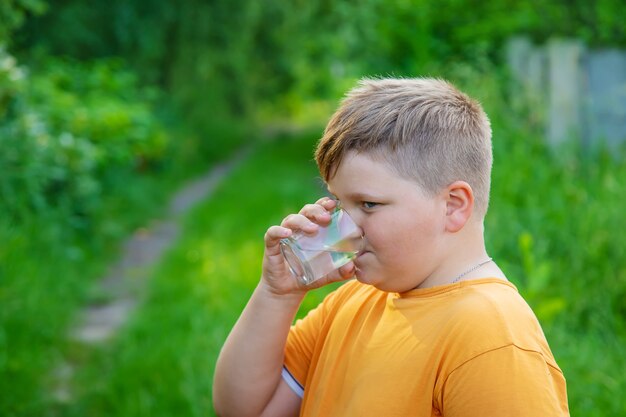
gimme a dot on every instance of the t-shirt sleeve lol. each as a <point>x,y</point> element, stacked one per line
<point>507,381</point>
<point>301,342</point>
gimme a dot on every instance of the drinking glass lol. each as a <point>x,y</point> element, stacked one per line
<point>312,257</point>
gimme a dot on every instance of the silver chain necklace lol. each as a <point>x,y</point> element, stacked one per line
<point>475,267</point>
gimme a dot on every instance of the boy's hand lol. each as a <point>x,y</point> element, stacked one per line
<point>276,275</point>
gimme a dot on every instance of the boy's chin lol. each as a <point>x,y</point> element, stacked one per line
<point>361,276</point>
<point>378,281</point>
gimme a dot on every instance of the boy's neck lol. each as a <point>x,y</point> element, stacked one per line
<point>465,257</point>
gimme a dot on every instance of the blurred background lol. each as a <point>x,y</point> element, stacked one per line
<point>107,108</point>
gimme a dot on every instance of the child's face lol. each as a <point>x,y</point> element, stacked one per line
<point>403,225</point>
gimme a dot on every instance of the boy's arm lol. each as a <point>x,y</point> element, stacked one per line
<point>248,371</point>
<point>248,378</point>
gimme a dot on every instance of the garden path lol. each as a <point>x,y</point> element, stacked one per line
<point>120,291</point>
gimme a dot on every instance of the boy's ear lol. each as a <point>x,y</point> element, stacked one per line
<point>459,205</point>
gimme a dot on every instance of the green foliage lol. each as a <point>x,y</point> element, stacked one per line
<point>188,49</point>
<point>223,61</point>
<point>11,83</point>
<point>70,133</point>
<point>14,12</point>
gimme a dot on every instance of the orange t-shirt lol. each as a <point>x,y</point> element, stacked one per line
<point>473,348</point>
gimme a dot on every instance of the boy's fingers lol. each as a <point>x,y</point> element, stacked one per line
<point>314,211</point>
<point>317,213</point>
<point>344,273</point>
<point>273,236</point>
<point>310,216</point>
<point>327,202</point>
<point>299,222</point>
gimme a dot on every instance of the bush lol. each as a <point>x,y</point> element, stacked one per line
<point>69,133</point>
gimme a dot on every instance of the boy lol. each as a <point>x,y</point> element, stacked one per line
<point>430,326</point>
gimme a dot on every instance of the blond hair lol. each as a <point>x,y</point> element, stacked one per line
<point>424,128</point>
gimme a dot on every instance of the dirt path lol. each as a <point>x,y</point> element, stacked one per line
<point>120,290</point>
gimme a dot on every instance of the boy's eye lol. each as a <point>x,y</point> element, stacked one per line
<point>369,204</point>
